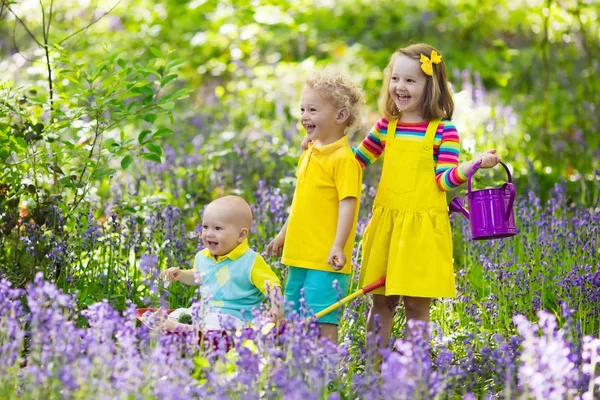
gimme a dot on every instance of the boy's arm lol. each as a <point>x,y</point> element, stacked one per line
<point>283,229</point>
<point>346,212</point>
<point>348,182</point>
<point>276,245</point>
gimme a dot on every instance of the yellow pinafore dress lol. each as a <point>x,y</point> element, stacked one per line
<point>408,238</point>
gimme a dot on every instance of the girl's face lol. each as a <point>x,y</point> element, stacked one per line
<point>407,84</point>
<point>319,117</point>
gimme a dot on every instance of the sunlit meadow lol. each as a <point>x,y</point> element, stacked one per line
<point>524,325</point>
<point>78,261</point>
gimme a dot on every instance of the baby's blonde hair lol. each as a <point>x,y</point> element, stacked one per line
<point>340,91</point>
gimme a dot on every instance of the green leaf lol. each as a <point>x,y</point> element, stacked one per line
<point>56,168</point>
<point>110,144</point>
<point>167,79</point>
<point>101,173</point>
<point>149,117</point>
<point>161,132</point>
<point>154,148</point>
<point>39,127</point>
<point>175,63</point>
<point>4,153</point>
<point>142,136</point>
<point>156,52</point>
<point>180,94</point>
<point>21,142</point>
<point>151,157</point>
<point>126,161</point>
<point>169,105</point>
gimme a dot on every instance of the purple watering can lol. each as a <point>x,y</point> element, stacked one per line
<point>491,210</point>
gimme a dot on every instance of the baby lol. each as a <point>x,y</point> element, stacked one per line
<point>233,277</point>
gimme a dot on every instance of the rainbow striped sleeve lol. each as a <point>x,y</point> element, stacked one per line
<point>372,146</point>
<point>448,175</point>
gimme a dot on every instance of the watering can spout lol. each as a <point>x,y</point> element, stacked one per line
<point>458,205</point>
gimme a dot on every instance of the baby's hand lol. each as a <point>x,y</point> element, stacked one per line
<point>304,144</point>
<point>337,258</point>
<point>276,312</point>
<point>489,159</point>
<point>171,274</point>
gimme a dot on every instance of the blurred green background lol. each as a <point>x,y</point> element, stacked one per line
<point>124,107</point>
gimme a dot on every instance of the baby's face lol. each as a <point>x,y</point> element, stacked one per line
<point>219,233</point>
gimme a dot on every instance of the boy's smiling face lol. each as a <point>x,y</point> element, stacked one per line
<point>319,117</point>
<point>222,228</point>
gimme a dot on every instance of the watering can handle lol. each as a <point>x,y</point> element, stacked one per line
<point>513,193</point>
<point>476,167</point>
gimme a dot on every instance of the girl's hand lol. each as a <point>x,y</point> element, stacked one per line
<point>304,144</point>
<point>489,159</point>
<point>337,258</point>
<point>276,246</point>
<point>171,274</point>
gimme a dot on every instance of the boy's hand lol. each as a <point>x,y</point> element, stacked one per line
<point>171,274</point>
<point>337,258</point>
<point>276,246</point>
<point>304,144</point>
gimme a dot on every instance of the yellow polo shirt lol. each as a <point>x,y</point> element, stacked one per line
<point>326,175</point>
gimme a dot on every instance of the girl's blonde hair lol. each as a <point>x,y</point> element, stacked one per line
<point>340,91</point>
<point>436,101</point>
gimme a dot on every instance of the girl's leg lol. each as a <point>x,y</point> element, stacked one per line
<point>417,309</point>
<point>384,307</point>
<point>329,331</point>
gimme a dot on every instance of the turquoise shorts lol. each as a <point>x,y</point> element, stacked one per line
<point>319,292</point>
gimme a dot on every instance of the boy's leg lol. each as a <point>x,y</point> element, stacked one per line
<point>384,307</point>
<point>293,287</point>
<point>320,294</point>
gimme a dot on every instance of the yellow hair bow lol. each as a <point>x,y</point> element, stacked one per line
<point>427,63</point>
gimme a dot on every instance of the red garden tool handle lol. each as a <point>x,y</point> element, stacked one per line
<point>365,289</point>
<point>372,286</point>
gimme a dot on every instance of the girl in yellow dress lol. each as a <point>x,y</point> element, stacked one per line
<point>408,238</point>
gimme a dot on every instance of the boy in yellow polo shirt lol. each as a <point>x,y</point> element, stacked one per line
<point>318,237</point>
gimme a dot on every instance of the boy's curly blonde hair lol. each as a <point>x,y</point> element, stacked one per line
<point>341,91</point>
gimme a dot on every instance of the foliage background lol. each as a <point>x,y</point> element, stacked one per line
<point>120,120</point>
<point>112,113</point>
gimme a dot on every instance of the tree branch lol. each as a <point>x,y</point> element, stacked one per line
<point>43,22</point>
<point>45,34</point>
<point>14,41</point>
<point>92,23</point>
<point>22,23</point>
<point>50,18</point>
